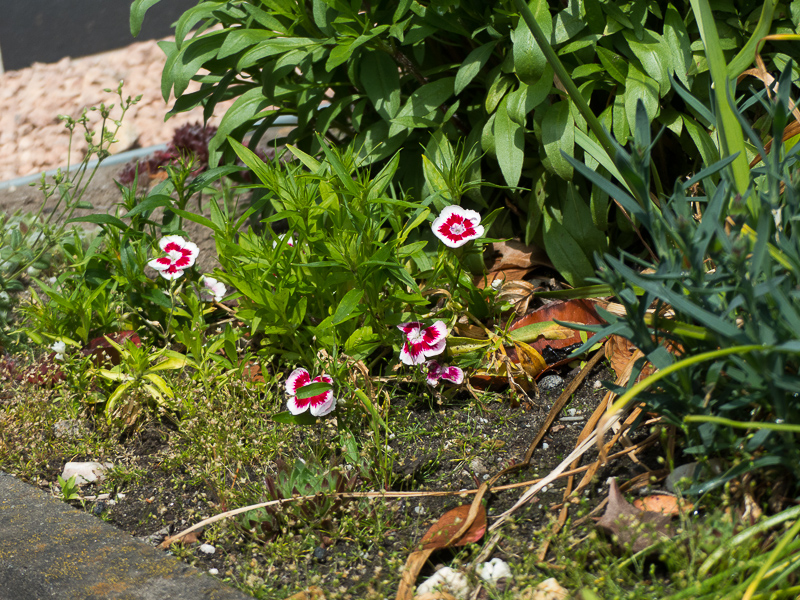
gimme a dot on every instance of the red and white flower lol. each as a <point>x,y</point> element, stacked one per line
<point>289,241</point>
<point>456,226</point>
<point>422,342</point>
<point>320,405</point>
<point>435,372</point>
<point>213,288</point>
<point>180,255</point>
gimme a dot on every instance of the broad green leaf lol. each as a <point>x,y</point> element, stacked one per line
<point>558,135</point>
<point>361,343</point>
<point>192,56</point>
<point>550,330</point>
<point>381,80</point>
<point>616,66</point>
<point>347,305</point>
<point>677,39</point>
<point>497,89</point>
<point>654,54</point>
<point>170,364</point>
<point>250,106</point>
<point>472,65</point>
<point>565,253</point>
<point>159,382</point>
<point>510,144</point>
<point>639,86</point>
<point>529,60</point>
<point>239,39</point>
<point>428,98</point>
<point>619,126</point>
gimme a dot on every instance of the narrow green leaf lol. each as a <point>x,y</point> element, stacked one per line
<point>138,10</point>
<point>347,305</point>
<point>313,389</point>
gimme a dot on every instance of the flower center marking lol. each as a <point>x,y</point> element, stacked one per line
<point>416,336</point>
<point>457,228</point>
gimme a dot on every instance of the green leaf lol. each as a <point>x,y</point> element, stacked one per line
<point>529,60</point>
<point>558,135</point>
<point>250,106</point>
<point>702,140</point>
<point>347,305</point>
<point>381,80</point>
<point>192,56</point>
<point>510,144</point>
<point>472,65</point>
<point>313,389</point>
<point>138,10</point>
<point>616,66</point>
<point>426,99</point>
<point>565,253</point>
<point>287,418</point>
<point>639,86</point>
<point>677,39</point>
<point>654,55</point>
<point>101,219</point>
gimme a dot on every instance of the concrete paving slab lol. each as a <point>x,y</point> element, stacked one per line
<point>50,550</point>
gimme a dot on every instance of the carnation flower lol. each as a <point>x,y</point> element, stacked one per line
<point>214,288</point>
<point>456,226</point>
<point>289,241</point>
<point>180,255</point>
<point>320,405</point>
<point>435,372</point>
<point>421,343</point>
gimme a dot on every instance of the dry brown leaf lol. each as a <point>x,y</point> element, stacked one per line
<point>511,261</point>
<point>437,537</point>
<point>631,527</point>
<point>312,593</point>
<point>665,504</point>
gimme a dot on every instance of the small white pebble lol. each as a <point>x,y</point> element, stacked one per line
<point>213,571</point>
<point>419,509</point>
<point>544,488</point>
<point>545,446</point>
<point>486,476</point>
<point>482,420</point>
<point>207,549</point>
<point>597,384</point>
<point>571,412</point>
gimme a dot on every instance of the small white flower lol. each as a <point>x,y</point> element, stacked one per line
<point>59,348</point>
<point>289,242</point>
<point>214,288</point>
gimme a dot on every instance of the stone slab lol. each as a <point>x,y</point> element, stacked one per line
<point>49,550</point>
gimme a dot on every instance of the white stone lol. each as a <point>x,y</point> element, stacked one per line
<point>85,472</point>
<point>446,580</point>
<point>493,571</point>
<point>207,549</point>
<point>213,571</point>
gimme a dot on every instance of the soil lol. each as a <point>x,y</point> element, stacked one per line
<point>164,500</point>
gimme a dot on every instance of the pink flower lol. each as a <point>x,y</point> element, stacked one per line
<point>437,372</point>
<point>180,255</point>
<point>321,404</point>
<point>421,343</point>
<point>456,226</point>
<point>214,288</point>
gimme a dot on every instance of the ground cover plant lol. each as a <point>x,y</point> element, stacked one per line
<point>330,392</point>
